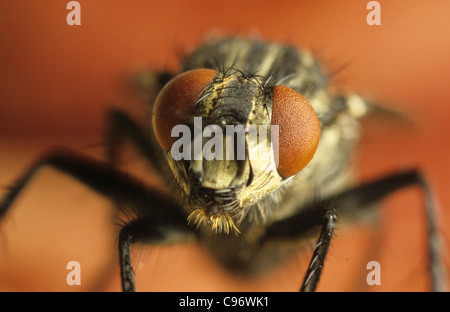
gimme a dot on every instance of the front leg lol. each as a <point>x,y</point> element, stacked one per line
<point>320,251</point>
<point>97,175</point>
<point>126,269</point>
<point>121,127</point>
<point>164,229</point>
<point>359,198</point>
<point>158,219</point>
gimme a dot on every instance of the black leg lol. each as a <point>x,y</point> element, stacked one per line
<point>320,251</point>
<point>147,84</point>
<point>120,127</point>
<point>126,270</point>
<point>158,219</point>
<point>98,175</point>
<point>149,230</point>
<point>353,201</point>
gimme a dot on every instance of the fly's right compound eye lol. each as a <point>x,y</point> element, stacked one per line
<point>176,102</point>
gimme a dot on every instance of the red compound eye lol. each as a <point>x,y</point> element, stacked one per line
<point>176,101</point>
<point>299,130</point>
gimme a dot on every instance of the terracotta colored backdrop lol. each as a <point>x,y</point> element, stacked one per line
<point>57,81</point>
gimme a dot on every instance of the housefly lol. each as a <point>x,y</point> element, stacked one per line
<point>256,150</point>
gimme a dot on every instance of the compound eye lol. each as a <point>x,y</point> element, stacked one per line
<point>299,130</point>
<point>176,102</point>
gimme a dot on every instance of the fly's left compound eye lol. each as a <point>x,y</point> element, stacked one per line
<point>176,101</point>
<point>299,130</point>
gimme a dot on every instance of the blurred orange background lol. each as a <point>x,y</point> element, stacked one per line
<point>57,81</point>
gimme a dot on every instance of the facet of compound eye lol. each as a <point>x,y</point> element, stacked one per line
<point>176,102</point>
<point>299,130</point>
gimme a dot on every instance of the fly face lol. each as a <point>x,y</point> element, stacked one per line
<point>223,185</point>
<point>228,157</point>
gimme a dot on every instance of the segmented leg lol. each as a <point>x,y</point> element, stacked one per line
<point>122,127</point>
<point>126,269</point>
<point>315,267</point>
<point>359,198</point>
<point>159,220</point>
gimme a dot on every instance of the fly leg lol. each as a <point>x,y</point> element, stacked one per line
<point>122,127</point>
<point>158,220</point>
<point>96,174</point>
<point>320,251</point>
<point>149,230</point>
<point>353,200</point>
